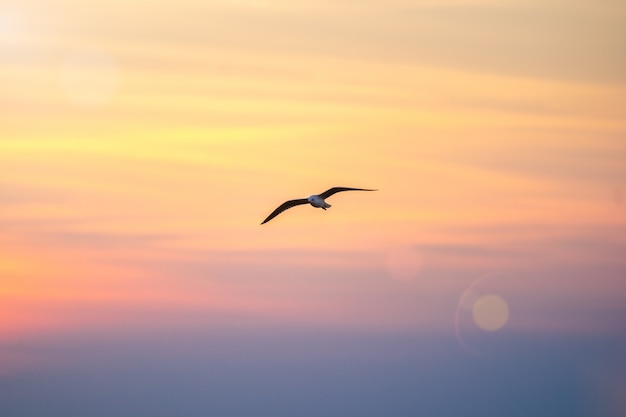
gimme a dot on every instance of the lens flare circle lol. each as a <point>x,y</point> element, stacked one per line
<point>490,312</point>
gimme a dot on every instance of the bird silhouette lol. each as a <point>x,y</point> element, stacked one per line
<point>316,200</point>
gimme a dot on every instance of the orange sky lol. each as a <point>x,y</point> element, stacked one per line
<point>139,142</point>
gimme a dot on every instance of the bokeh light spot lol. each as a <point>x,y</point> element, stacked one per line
<point>618,196</point>
<point>490,312</point>
<point>89,77</point>
<point>8,23</point>
<point>404,263</point>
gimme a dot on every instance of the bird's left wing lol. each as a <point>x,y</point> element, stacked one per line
<point>286,205</point>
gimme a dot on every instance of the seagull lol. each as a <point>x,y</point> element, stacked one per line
<point>316,200</point>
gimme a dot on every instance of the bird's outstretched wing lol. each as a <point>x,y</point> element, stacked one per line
<point>334,190</point>
<point>286,205</point>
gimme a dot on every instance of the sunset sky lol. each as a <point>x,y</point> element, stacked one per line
<point>142,144</point>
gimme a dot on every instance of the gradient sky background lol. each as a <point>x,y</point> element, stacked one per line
<point>142,143</point>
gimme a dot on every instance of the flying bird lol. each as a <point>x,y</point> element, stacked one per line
<point>316,200</point>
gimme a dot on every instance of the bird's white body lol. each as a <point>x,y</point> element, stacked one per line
<point>317,201</point>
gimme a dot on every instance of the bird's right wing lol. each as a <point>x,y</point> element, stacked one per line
<point>286,205</point>
<point>335,190</point>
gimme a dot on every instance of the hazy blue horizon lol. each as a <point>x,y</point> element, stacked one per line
<point>269,369</point>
